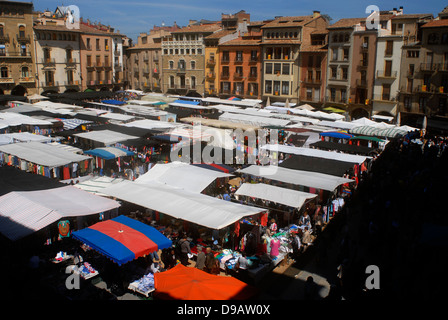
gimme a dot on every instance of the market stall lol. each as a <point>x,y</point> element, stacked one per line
<point>122,239</point>
<point>183,283</point>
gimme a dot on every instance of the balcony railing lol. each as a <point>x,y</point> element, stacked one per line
<point>253,93</point>
<point>336,99</point>
<point>225,91</point>
<point>49,62</point>
<point>237,75</point>
<point>210,76</point>
<point>386,74</point>
<point>6,80</point>
<point>181,70</point>
<point>23,38</point>
<point>15,54</point>
<point>155,58</point>
<point>49,84</point>
<point>26,79</point>
<point>71,83</point>
<point>4,38</point>
<point>384,97</point>
<point>238,60</point>
<point>429,66</point>
<point>225,60</point>
<point>313,81</point>
<point>211,62</point>
<point>253,59</point>
<point>361,82</point>
<point>225,75</point>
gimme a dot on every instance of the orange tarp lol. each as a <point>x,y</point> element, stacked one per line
<point>184,283</point>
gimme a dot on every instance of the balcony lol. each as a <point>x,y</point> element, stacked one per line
<point>336,99</point>
<point>313,81</point>
<point>155,58</point>
<point>155,71</point>
<point>4,38</point>
<point>23,38</point>
<point>429,67</point>
<point>386,74</point>
<point>225,60</point>
<point>71,83</point>
<point>361,83</point>
<point>225,75</point>
<point>408,89</point>
<point>145,70</point>
<point>238,92</point>
<point>145,58</point>
<point>385,98</point>
<point>88,47</point>
<point>252,93</point>
<point>117,53</point>
<point>253,76</point>
<point>238,61</point>
<point>181,70</point>
<point>210,76</point>
<point>90,65</point>
<point>70,63</point>
<point>443,67</point>
<point>237,76</point>
<point>49,84</point>
<point>15,54</point>
<point>7,80</point>
<point>49,63</point>
<point>225,91</point>
<point>253,59</point>
<point>211,62</point>
<point>364,47</point>
<point>26,79</point>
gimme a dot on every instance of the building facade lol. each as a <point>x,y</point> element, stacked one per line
<point>17,54</point>
<point>281,42</point>
<point>58,58</point>
<point>183,59</point>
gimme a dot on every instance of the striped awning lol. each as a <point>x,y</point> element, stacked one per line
<point>109,153</point>
<point>70,124</point>
<point>122,239</point>
<point>392,132</point>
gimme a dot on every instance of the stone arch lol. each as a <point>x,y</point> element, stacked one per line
<point>19,90</point>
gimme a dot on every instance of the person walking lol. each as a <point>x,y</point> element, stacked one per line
<point>184,250</point>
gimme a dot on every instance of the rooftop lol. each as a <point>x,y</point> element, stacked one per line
<point>282,22</point>
<point>346,23</point>
<point>436,24</point>
<point>205,28</point>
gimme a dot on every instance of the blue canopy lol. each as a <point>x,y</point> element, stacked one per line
<point>109,153</point>
<point>195,103</point>
<point>114,102</point>
<point>123,239</point>
<point>335,134</point>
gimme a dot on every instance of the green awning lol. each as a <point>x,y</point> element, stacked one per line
<point>367,138</point>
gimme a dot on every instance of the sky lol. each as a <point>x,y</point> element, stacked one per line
<point>131,17</point>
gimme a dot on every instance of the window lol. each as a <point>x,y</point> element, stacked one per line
<point>97,44</point>
<point>4,72</point>
<point>2,49</point>
<point>187,51</point>
<point>88,45</point>
<point>25,72</point>
<point>89,61</point>
<point>68,55</point>
<point>285,87</point>
<point>70,76</point>
<point>422,104</point>
<point>171,51</point>
<point>193,82</point>
<point>310,61</point>
<point>239,71</point>
<point>22,32</point>
<point>171,64</point>
<point>407,103</point>
<point>225,71</point>
<point>225,56</point>
<point>413,54</point>
<point>345,73</point>
<point>181,65</point>
<point>253,55</point>
<point>309,94</point>
<point>445,38</point>
<point>310,75</point>
<point>268,86</point>
<point>388,68</point>
<point>165,51</point>
<point>253,72</point>
<point>277,68</point>
<point>389,48</point>
<point>318,75</point>
<point>199,51</point>
<point>193,65</point>
<point>332,94</point>
<point>346,37</point>
<point>411,69</point>
<point>2,30</point>
<point>268,68</point>
<point>239,56</point>
<point>386,91</point>
<point>286,67</point>
<point>433,38</point>
<point>182,51</point>
<point>176,51</point>
<point>171,81</point>
<point>106,44</point>
<point>343,95</point>
<point>193,51</point>
<point>334,54</point>
<point>346,53</point>
<point>276,88</point>
<point>334,72</point>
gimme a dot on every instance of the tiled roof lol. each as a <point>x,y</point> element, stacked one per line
<point>288,22</point>
<point>221,33</point>
<point>53,28</point>
<point>346,23</point>
<point>413,16</point>
<point>241,42</point>
<point>92,30</point>
<point>200,28</point>
<point>436,24</point>
<point>282,41</point>
<point>311,48</point>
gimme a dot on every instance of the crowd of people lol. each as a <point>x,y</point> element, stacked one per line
<point>386,224</point>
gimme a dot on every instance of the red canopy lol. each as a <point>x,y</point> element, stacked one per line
<point>184,283</point>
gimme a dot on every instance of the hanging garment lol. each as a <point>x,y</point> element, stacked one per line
<point>264,219</point>
<point>64,229</point>
<point>275,246</point>
<point>65,173</point>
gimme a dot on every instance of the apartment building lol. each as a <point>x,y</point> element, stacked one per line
<point>183,59</point>
<point>313,69</point>
<point>58,58</point>
<point>97,56</point>
<point>424,68</point>
<point>144,60</point>
<point>17,55</point>
<point>388,59</point>
<point>281,41</point>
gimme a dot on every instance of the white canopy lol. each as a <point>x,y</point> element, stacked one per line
<point>333,155</point>
<point>95,185</point>
<point>181,204</point>
<point>24,212</point>
<point>289,197</point>
<point>117,116</point>
<point>181,175</point>
<point>42,154</point>
<point>107,137</point>
<point>26,137</point>
<point>339,124</point>
<point>16,119</point>
<point>297,177</point>
<point>253,120</point>
<point>152,124</point>
<point>305,107</point>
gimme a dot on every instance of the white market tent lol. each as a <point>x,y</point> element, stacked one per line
<point>240,103</point>
<point>8,119</point>
<point>189,106</point>
<point>181,175</point>
<point>95,185</point>
<point>152,124</point>
<point>181,204</point>
<point>333,155</point>
<point>289,197</point>
<point>24,137</point>
<point>339,124</point>
<point>253,120</point>
<point>117,116</point>
<point>107,137</point>
<point>297,177</point>
<point>42,154</point>
<point>24,212</point>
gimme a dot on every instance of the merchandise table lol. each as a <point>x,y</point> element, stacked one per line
<point>144,285</point>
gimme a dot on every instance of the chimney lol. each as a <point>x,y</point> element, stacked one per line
<point>394,10</point>
<point>401,10</point>
<point>316,14</point>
